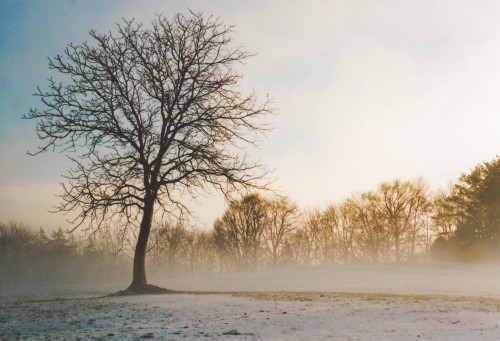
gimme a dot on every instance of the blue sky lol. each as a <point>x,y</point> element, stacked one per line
<point>366,91</point>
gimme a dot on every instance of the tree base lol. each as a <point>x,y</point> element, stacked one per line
<point>147,289</point>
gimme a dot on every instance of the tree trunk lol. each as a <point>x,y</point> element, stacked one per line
<point>139,275</point>
<point>396,240</point>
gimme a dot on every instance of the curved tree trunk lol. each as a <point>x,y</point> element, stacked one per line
<point>139,276</point>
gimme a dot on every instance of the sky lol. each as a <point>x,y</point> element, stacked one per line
<point>366,92</point>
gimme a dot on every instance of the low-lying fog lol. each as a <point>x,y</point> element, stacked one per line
<point>428,279</point>
<point>431,278</point>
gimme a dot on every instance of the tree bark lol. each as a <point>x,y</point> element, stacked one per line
<point>139,275</point>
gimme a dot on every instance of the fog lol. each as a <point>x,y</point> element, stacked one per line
<point>53,277</point>
<point>58,287</point>
<point>406,279</point>
<point>433,278</point>
<point>34,265</point>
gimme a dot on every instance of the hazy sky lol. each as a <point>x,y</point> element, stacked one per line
<point>367,91</point>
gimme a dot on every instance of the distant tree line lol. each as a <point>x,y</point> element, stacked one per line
<point>33,257</point>
<point>400,221</point>
<point>390,224</point>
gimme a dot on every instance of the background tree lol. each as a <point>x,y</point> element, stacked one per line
<point>345,232</point>
<point>418,212</point>
<point>299,248</point>
<point>105,251</point>
<point>472,207</point>
<point>16,245</point>
<point>168,241</point>
<point>328,236</point>
<point>240,229</point>
<point>370,231</point>
<point>312,226</point>
<point>403,204</point>
<point>444,214</point>
<point>478,199</point>
<point>395,206</point>
<point>152,113</point>
<point>281,216</point>
<point>202,256</point>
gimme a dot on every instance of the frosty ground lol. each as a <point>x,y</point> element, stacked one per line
<point>404,303</point>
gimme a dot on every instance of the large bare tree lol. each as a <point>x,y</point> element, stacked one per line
<point>151,113</point>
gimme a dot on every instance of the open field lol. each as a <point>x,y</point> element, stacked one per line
<point>253,316</point>
<point>431,301</point>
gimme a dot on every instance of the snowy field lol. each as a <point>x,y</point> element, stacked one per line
<point>271,316</point>
<point>436,301</point>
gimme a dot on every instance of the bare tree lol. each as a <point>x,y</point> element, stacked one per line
<point>394,204</point>
<point>168,241</point>
<point>371,235</point>
<point>202,253</point>
<point>328,236</point>
<point>281,216</point>
<point>312,226</point>
<point>419,212</point>
<point>299,248</point>
<point>345,231</point>
<point>153,113</point>
<point>444,215</point>
<point>239,231</point>
<point>109,241</point>
<point>402,205</point>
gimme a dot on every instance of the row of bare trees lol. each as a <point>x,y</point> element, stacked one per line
<point>390,224</point>
<point>398,222</point>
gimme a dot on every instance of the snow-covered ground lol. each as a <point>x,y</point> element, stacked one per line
<point>363,302</point>
<point>272,316</point>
